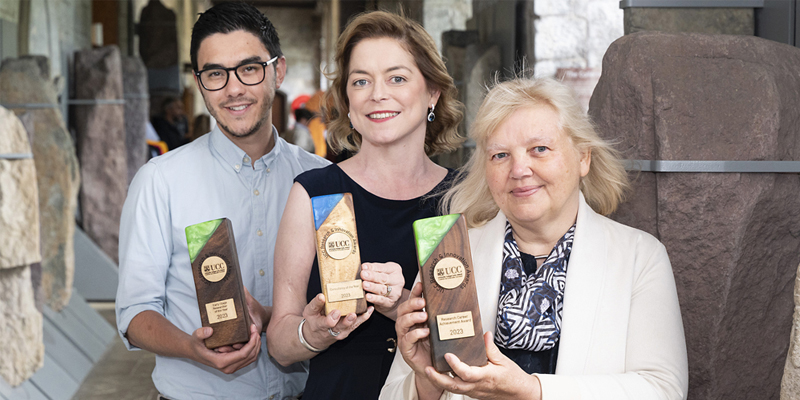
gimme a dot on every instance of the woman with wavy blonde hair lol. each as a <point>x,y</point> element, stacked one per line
<point>393,104</point>
<point>574,305</point>
<point>604,186</point>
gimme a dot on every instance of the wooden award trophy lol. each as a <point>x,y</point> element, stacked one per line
<point>448,283</point>
<point>218,281</point>
<point>338,253</point>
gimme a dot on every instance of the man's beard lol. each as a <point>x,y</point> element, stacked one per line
<point>265,111</point>
<point>253,130</point>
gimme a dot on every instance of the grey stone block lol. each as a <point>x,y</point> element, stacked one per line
<point>100,132</point>
<point>19,200</point>
<point>20,327</point>
<point>790,384</point>
<point>25,81</point>
<point>728,21</point>
<point>733,238</point>
<point>137,112</point>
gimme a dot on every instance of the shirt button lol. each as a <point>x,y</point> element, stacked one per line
<point>259,233</point>
<point>256,192</point>
<point>246,160</point>
<point>237,166</point>
<point>271,397</point>
<point>261,272</point>
<point>268,170</point>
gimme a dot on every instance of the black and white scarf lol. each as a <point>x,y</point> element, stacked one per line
<point>530,307</point>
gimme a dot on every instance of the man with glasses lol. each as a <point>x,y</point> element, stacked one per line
<point>243,171</point>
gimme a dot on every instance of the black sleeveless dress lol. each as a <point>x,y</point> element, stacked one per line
<point>357,367</point>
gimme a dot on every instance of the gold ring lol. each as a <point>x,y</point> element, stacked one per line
<point>388,290</point>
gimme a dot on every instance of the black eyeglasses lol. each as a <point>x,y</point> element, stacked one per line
<point>249,74</point>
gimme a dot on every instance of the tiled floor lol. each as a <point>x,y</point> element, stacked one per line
<point>120,374</point>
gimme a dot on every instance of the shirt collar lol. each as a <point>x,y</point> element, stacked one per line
<point>236,158</point>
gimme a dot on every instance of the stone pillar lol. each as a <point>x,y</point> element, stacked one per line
<point>100,131</point>
<point>790,385</point>
<point>21,335</point>
<point>733,238</point>
<point>472,66</point>
<point>158,47</point>
<point>137,112</point>
<point>25,82</point>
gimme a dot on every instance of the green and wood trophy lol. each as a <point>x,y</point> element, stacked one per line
<point>448,284</point>
<point>218,281</point>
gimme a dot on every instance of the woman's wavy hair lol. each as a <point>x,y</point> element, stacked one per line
<point>604,187</point>
<point>441,135</point>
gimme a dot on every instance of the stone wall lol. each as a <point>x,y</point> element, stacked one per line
<point>56,29</point>
<point>733,238</point>
<point>572,33</point>
<point>20,322</point>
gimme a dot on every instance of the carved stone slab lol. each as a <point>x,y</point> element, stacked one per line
<point>137,112</point>
<point>100,131</point>
<point>338,253</point>
<point>448,283</point>
<point>790,385</point>
<point>19,200</point>
<point>218,281</point>
<point>732,238</point>
<point>26,81</point>
<point>21,338</point>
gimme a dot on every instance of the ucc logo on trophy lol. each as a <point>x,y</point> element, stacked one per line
<point>218,282</point>
<point>451,299</point>
<point>338,253</point>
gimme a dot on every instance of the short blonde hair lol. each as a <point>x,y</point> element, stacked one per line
<point>604,187</point>
<point>441,135</point>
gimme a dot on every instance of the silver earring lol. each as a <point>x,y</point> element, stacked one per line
<point>351,123</point>
<point>431,115</point>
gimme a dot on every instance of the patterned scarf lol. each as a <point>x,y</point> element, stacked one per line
<point>530,307</point>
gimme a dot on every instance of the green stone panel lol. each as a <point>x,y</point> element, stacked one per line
<point>197,235</point>
<point>429,232</point>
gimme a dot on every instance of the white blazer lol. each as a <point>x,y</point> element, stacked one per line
<point>621,335</point>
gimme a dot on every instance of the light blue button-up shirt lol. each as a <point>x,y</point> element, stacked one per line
<point>207,179</point>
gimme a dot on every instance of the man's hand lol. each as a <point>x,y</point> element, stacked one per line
<point>228,359</point>
<point>259,315</point>
<point>150,331</point>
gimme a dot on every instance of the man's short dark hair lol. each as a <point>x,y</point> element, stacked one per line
<point>233,16</point>
<point>302,113</point>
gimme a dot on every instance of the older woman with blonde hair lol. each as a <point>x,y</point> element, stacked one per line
<point>574,305</point>
<point>393,104</point>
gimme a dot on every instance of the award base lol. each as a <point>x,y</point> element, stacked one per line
<point>218,281</point>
